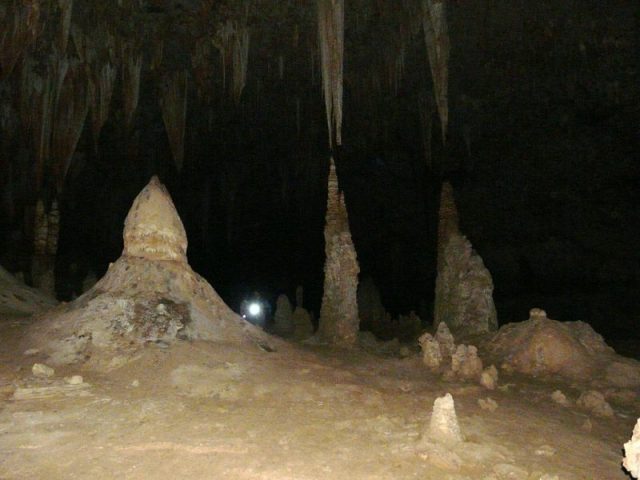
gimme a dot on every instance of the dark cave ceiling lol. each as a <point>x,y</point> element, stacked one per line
<point>542,144</point>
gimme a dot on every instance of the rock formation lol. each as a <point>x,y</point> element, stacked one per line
<point>573,350</point>
<point>465,363</point>
<point>370,308</point>
<point>150,294</point>
<point>283,318</point>
<point>464,287</point>
<point>339,320</point>
<point>18,299</point>
<point>443,426</point>
<point>302,324</point>
<point>431,355</point>
<point>632,453</point>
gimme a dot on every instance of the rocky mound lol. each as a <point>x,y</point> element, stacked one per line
<point>17,298</point>
<point>150,294</point>
<point>573,350</point>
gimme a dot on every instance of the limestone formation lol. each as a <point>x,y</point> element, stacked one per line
<point>632,452</point>
<point>489,378</point>
<point>300,296</point>
<point>431,354</point>
<point>443,426</point>
<point>153,230</point>
<point>339,321</point>
<point>445,340</point>
<point>465,363</point>
<point>283,318</point>
<point>302,324</point>
<point>595,402</point>
<point>370,308</point>
<point>17,298</point>
<point>149,295</point>
<point>464,288</point>
<point>409,326</point>
<point>541,346</point>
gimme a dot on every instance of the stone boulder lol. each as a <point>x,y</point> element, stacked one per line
<point>573,350</point>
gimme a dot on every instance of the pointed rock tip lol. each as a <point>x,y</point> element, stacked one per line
<point>153,229</point>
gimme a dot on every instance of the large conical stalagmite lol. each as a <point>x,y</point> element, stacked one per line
<point>149,295</point>
<point>339,320</point>
<point>464,288</point>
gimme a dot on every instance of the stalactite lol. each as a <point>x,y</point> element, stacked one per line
<point>331,37</point>
<point>240,62</point>
<point>19,28</point>
<point>202,69</point>
<point>70,116</point>
<point>36,107</point>
<point>339,321</point>
<point>173,101</point>
<point>66,10</point>
<point>131,74</point>
<point>426,124</point>
<point>232,41</point>
<point>437,40</point>
<point>101,91</point>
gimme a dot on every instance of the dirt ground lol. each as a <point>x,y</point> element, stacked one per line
<point>207,411</point>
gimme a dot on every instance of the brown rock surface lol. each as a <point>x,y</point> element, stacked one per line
<point>150,294</point>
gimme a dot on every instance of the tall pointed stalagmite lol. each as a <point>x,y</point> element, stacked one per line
<point>150,294</point>
<point>464,288</point>
<point>436,37</point>
<point>339,320</point>
<point>331,37</point>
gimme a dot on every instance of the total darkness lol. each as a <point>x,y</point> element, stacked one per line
<point>542,151</point>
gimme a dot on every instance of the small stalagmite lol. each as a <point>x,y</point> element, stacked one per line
<point>632,453</point>
<point>464,287</point>
<point>283,318</point>
<point>443,426</point>
<point>149,295</point>
<point>339,322</point>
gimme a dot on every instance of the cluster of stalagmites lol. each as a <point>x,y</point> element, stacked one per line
<point>339,321</point>
<point>455,362</point>
<point>292,323</point>
<point>150,294</point>
<point>464,288</point>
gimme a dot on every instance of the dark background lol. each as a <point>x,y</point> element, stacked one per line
<point>542,150</point>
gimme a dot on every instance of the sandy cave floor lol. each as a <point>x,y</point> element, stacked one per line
<point>206,411</point>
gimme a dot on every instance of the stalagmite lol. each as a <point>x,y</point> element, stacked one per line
<point>149,295</point>
<point>174,112</point>
<point>331,37</point>
<point>283,318</point>
<point>339,320</point>
<point>632,452</point>
<point>436,37</point>
<point>464,288</point>
<point>443,426</point>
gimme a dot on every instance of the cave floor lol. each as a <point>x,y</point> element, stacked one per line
<point>204,411</point>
